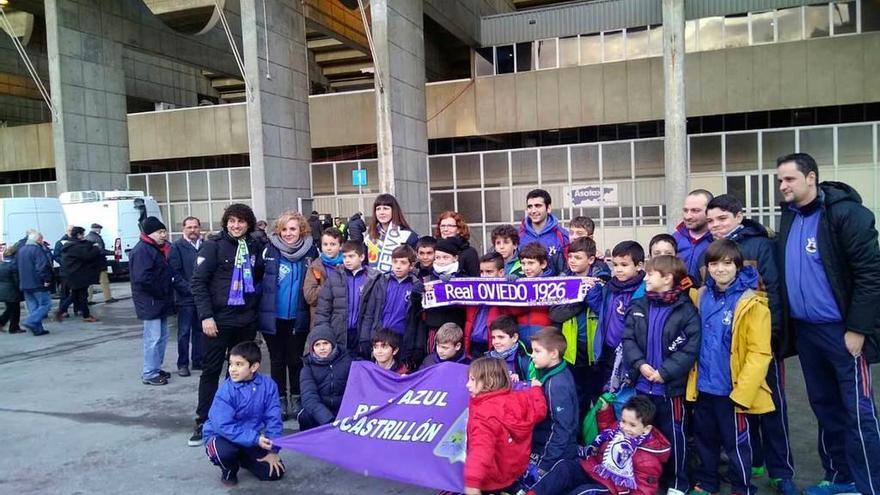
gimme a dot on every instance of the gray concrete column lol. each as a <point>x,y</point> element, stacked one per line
<point>277,104</point>
<point>87,83</point>
<point>401,123</point>
<point>675,143</point>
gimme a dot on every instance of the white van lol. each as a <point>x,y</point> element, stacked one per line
<point>18,215</point>
<point>118,212</point>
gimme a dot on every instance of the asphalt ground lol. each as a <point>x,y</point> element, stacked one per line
<point>76,419</point>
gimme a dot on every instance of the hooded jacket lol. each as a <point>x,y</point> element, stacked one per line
<point>375,305</point>
<point>553,236</point>
<point>322,385</point>
<point>846,240</point>
<point>691,251</point>
<point>555,438</point>
<point>81,264</point>
<point>750,354</point>
<point>598,300</point>
<point>242,411</point>
<point>271,288</point>
<point>647,461</point>
<point>499,436</point>
<point>333,303</point>
<point>151,287</point>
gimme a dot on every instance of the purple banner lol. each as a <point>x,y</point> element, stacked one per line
<point>522,292</point>
<point>406,428</point>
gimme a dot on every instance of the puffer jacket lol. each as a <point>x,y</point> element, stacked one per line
<point>332,308</point>
<point>242,411</point>
<point>499,436</point>
<point>9,281</point>
<point>316,275</point>
<point>323,385</point>
<point>81,263</point>
<point>269,298</point>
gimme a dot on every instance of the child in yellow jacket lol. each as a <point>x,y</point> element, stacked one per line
<point>736,330</point>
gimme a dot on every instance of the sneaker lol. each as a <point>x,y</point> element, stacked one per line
<point>183,371</point>
<point>295,407</point>
<point>826,487</point>
<point>784,486</point>
<point>90,319</point>
<point>696,490</point>
<point>38,333</point>
<point>196,439</point>
<point>165,374</point>
<point>228,478</point>
<point>758,471</point>
<point>156,380</point>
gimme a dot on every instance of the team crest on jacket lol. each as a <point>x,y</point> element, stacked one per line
<point>728,318</point>
<point>283,272</point>
<point>620,309</point>
<point>811,245</point>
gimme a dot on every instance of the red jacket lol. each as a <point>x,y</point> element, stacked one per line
<point>531,320</point>
<point>471,315</point>
<point>647,461</point>
<point>499,436</point>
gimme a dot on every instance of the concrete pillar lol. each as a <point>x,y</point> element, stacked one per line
<point>277,104</point>
<point>675,144</point>
<point>401,122</point>
<point>86,79</point>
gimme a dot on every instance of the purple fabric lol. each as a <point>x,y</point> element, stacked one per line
<point>355,284</point>
<point>614,313</point>
<point>658,314</point>
<point>417,422</point>
<point>525,292</point>
<point>396,304</point>
<point>480,330</point>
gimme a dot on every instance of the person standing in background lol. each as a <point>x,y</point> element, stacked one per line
<point>182,261</point>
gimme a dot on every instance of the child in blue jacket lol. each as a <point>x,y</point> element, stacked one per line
<point>243,418</point>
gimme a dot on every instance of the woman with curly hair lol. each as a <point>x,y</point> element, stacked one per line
<point>451,226</point>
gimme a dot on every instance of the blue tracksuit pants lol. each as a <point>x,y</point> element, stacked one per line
<point>229,457</point>
<point>769,432</point>
<point>841,396</point>
<point>670,419</point>
<point>717,425</point>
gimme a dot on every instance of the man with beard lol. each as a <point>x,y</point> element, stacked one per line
<point>692,234</point>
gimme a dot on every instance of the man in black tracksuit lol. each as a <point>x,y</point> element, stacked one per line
<point>830,266</point>
<point>224,323</point>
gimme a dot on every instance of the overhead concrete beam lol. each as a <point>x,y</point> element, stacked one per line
<point>340,56</point>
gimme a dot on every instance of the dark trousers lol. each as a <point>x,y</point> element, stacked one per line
<point>769,432</point>
<point>567,476</point>
<point>12,315</point>
<point>189,330</point>
<point>230,457</point>
<point>671,420</point>
<point>588,382</point>
<point>718,425</point>
<point>306,421</point>
<point>285,356</point>
<point>840,393</point>
<point>80,300</point>
<point>215,354</point>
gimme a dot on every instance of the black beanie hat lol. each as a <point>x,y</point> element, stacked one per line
<point>450,246</point>
<point>152,224</point>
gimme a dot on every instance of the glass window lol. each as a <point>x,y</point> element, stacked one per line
<point>135,183</point>
<point>198,186</point>
<point>690,35</point>
<point>178,213</point>
<point>177,186</point>
<point>524,165</point>
<point>855,146</point>
<point>790,24</point>
<point>200,211</point>
<point>736,30</point>
<point>524,60</point>
<point>470,204</point>
<point>217,208</point>
<point>568,51</point>
<point>616,161</point>
<point>497,205</point>
<point>585,163</point>
<point>37,191</point>
<point>344,184</point>
<point>157,187</point>
<point>816,21</point>
<point>504,59</point>
<point>21,190</point>
<point>219,184</point>
<point>467,171</point>
<point>637,42</point>
<point>705,154</point>
<point>441,202</point>
<point>52,189</point>
<point>547,54</point>
<point>762,27</point>
<point>613,46</point>
<point>554,165</point>
<point>843,17</point>
<point>736,186</point>
<point>655,43</point>
<point>742,151</point>
<point>372,168</point>
<point>484,61</point>
<point>819,143</point>
<point>241,183</point>
<point>711,37</point>
<point>649,158</point>
<point>591,49</point>
<point>440,172</point>
<point>870,15</point>
<point>5,191</point>
<point>495,170</point>
<point>774,145</point>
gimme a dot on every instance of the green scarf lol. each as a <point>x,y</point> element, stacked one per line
<point>544,374</point>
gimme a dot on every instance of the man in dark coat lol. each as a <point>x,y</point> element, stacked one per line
<point>830,269</point>
<point>81,262</point>
<point>316,227</point>
<point>63,290</point>
<point>9,292</point>
<point>153,296</point>
<point>228,310</point>
<point>189,327</point>
<point>356,227</point>
<point>94,236</point>
<point>35,281</point>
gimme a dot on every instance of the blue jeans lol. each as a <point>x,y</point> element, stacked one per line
<point>155,340</point>
<point>189,327</point>
<point>38,304</point>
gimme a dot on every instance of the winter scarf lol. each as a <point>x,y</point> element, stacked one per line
<point>617,460</point>
<point>670,296</point>
<point>621,296</point>
<point>292,252</point>
<point>331,262</point>
<point>327,360</point>
<point>450,269</point>
<point>544,374</point>
<point>242,276</point>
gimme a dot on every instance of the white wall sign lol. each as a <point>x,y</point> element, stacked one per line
<point>594,195</point>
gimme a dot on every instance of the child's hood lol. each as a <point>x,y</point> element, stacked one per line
<point>320,332</point>
<point>519,411</point>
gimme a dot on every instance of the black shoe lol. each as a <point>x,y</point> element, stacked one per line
<point>38,333</point>
<point>156,380</point>
<point>295,406</point>
<point>183,371</point>
<point>228,478</point>
<point>16,330</point>
<point>196,439</point>
<point>164,374</point>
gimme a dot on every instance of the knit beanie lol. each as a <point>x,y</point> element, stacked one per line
<point>152,224</point>
<point>451,246</point>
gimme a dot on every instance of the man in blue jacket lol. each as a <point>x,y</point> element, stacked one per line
<point>35,280</point>
<point>692,234</point>
<point>153,296</point>
<point>539,224</point>
<point>189,327</point>
<point>830,269</point>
